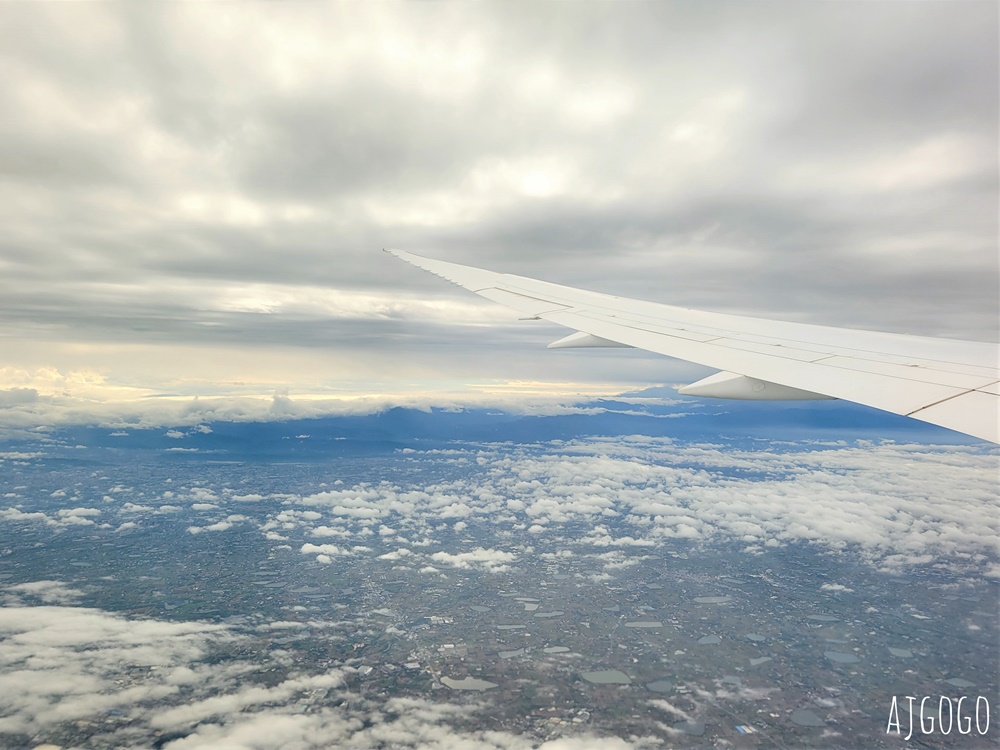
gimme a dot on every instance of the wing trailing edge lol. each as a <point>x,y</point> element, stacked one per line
<point>954,384</point>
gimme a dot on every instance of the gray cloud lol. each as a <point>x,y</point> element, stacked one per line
<point>825,162</point>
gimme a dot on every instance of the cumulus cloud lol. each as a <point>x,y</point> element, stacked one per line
<point>223,525</point>
<point>202,494</point>
<point>78,515</point>
<point>405,723</point>
<point>250,498</point>
<point>20,455</point>
<point>231,703</point>
<point>489,559</point>
<point>398,554</point>
<point>61,517</point>
<point>49,592</point>
<point>60,663</point>
<point>325,552</point>
<point>63,664</point>
<point>892,504</point>
<point>836,587</point>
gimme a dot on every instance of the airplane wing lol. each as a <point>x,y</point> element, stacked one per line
<point>954,384</point>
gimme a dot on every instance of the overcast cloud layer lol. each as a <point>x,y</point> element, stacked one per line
<point>193,197</point>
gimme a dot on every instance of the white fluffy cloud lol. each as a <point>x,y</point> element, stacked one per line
<point>111,408</point>
<point>489,559</point>
<point>62,664</point>
<point>60,517</point>
<point>891,504</point>
<point>49,592</point>
<point>404,723</point>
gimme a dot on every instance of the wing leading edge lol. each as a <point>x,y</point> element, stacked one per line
<point>954,384</point>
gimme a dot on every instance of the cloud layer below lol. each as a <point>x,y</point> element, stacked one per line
<point>161,679</point>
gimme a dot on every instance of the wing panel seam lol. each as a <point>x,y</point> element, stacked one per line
<point>598,313</point>
<point>941,401</point>
<point>779,355</point>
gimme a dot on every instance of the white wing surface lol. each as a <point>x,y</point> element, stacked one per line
<point>955,384</point>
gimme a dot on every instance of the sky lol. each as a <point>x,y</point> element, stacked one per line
<point>193,197</point>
